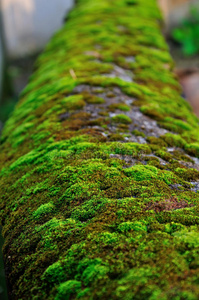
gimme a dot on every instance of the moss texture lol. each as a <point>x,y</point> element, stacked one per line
<point>99,165</point>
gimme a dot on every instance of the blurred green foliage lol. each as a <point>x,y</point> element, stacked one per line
<point>188,33</point>
<point>6,109</point>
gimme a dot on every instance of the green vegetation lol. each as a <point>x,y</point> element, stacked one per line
<point>187,33</point>
<point>87,211</point>
<point>121,119</point>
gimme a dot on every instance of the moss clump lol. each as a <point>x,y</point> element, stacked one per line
<point>193,149</point>
<point>122,119</point>
<point>128,226</point>
<point>92,99</point>
<point>116,137</point>
<point>43,209</point>
<point>73,102</point>
<point>68,288</point>
<point>138,133</point>
<point>120,106</point>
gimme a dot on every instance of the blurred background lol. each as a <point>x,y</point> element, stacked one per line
<point>25,28</point>
<point>27,25</point>
<point>182,33</point>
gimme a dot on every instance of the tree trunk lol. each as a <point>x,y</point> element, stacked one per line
<point>99,165</point>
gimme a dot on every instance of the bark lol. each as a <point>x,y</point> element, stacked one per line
<point>99,165</point>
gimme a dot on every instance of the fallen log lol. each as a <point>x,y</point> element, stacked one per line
<point>100,165</point>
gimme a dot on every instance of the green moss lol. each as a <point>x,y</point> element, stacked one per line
<point>116,137</point>
<point>92,99</point>
<point>120,106</point>
<point>123,119</point>
<point>43,209</point>
<point>140,172</point>
<point>86,214</point>
<point>138,133</point>
<point>92,270</point>
<point>187,174</point>
<point>73,102</point>
<point>137,226</point>
<point>193,149</point>
<point>68,288</point>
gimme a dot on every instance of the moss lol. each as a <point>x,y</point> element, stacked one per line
<point>193,149</point>
<point>138,133</point>
<point>140,173</point>
<point>43,209</point>
<point>68,288</point>
<point>120,106</point>
<point>73,102</point>
<point>92,99</point>
<point>87,213</point>
<point>137,226</point>
<point>157,141</point>
<point>123,119</point>
<point>187,174</point>
<point>116,137</point>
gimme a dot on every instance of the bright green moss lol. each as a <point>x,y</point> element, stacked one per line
<point>80,147</point>
<point>133,149</point>
<point>92,270</point>
<point>67,289</point>
<point>190,238</point>
<point>54,273</point>
<point>140,172</point>
<point>44,209</point>
<point>137,226</point>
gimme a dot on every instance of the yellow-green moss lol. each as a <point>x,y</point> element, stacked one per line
<point>73,102</point>
<point>88,212</point>
<point>123,119</point>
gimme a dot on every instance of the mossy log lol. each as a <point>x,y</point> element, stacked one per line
<point>99,165</point>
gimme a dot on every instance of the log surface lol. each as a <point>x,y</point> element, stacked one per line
<point>99,165</point>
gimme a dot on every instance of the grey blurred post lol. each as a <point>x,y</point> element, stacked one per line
<point>2,53</point>
<point>5,84</point>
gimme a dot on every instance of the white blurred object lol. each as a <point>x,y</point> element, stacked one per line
<point>29,24</point>
<point>176,10</point>
<point>2,61</point>
<point>1,69</point>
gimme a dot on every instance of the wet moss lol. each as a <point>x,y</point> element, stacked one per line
<point>88,212</point>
